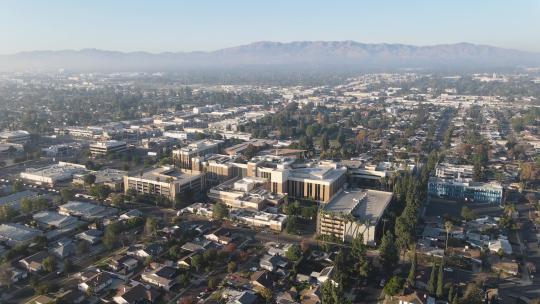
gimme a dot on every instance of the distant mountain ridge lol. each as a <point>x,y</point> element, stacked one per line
<point>315,54</point>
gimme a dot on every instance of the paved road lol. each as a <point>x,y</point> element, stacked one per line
<point>528,285</point>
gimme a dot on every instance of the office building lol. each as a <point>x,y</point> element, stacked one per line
<point>101,148</point>
<point>183,157</point>
<point>353,212</point>
<point>455,182</point>
<point>165,181</point>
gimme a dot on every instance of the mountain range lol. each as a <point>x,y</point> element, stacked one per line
<point>266,54</point>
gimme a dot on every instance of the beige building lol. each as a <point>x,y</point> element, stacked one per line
<point>106,147</point>
<point>242,193</point>
<point>353,212</point>
<point>183,157</point>
<point>218,168</point>
<point>306,181</point>
<point>165,181</point>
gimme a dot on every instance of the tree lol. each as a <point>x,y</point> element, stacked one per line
<point>528,172</point>
<point>197,261</point>
<point>82,248</point>
<point>332,293</point>
<point>411,278</point>
<point>231,267</point>
<point>89,179</point>
<point>403,231</point>
<point>220,211</point>
<point>18,186</point>
<point>68,266</point>
<point>150,227</point>
<point>471,295</point>
<point>212,282</point>
<point>440,282</point>
<point>467,214</point>
<point>531,198</point>
<point>111,235</point>
<point>7,213</point>
<point>101,192</point>
<point>266,294</point>
<point>118,200</point>
<point>324,142</point>
<point>448,226</point>
<point>388,252</point>
<point>359,252</point>
<point>393,286</point>
<point>294,253</point>
<point>432,280</point>
<point>66,194</point>
<point>49,264</point>
<point>450,293</point>
<point>5,275</point>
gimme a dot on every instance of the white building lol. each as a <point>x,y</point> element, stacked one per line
<point>52,174</point>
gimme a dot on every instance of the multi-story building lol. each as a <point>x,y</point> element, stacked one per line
<point>353,212</point>
<point>455,183</point>
<point>306,181</point>
<point>106,147</point>
<point>466,190</point>
<point>183,157</point>
<point>218,168</point>
<point>166,181</point>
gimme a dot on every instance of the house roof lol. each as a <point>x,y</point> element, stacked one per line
<point>137,293</point>
<point>263,278</point>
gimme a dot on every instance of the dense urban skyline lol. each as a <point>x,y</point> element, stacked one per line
<point>202,26</point>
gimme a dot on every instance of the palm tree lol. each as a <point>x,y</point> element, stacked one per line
<point>448,225</point>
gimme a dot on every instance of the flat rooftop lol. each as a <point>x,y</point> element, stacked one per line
<point>18,232</point>
<point>321,173</point>
<point>108,144</point>
<point>360,203</point>
<point>164,173</point>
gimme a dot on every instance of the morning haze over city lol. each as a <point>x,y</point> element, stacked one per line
<point>270,152</point>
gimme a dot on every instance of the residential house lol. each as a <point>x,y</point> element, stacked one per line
<point>262,279</point>
<point>96,283</point>
<point>34,263</point>
<point>136,293</point>
<point>163,277</point>
<point>220,236</point>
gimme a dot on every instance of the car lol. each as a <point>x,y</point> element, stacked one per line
<point>382,283</point>
<point>448,269</point>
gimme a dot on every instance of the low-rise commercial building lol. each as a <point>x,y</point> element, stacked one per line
<point>15,137</point>
<point>109,177</point>
<point>242,193</point>
<point>259,219</point>
<point>14,200</point>
<point>353,212</point>
<point>15,234</point>
<point>50,175</point>
<point>86,210</point>
<point>107,147</point>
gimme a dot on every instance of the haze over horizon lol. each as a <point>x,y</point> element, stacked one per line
<point>168,26</point>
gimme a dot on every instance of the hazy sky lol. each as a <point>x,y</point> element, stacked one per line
<point>157,26</point>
